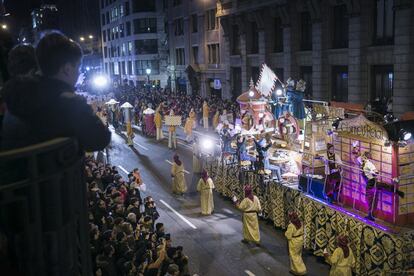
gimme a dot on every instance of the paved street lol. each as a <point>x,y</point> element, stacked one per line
<point>212,243</point>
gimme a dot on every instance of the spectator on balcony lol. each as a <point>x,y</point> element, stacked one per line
<point>44,107</point>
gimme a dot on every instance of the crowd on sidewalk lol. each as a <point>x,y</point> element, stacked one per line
<point>125,235</point>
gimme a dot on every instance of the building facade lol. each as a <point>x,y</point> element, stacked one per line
<point>346,50</point>
<point>134,40</point>
<point>196,53</point>
<point>44,18</point>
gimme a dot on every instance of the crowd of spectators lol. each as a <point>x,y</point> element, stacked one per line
<point>125,234</point>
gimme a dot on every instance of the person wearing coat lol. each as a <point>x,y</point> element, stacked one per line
<point>158,123</point>
<point>179,185</point>
<point>294,235</point>
<point>206,111</point>
<point>342,260</point>
<point>205,187</point>
<point>250,206</point>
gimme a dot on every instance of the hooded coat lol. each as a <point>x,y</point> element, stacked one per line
<point>40,109</point>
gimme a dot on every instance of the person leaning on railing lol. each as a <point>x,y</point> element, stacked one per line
<point>40,108</point>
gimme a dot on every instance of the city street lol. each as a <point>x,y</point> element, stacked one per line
<point>212,243</point>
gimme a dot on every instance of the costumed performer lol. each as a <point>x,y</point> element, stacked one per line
<point>294,235</point>
<point>250,206</point>
<point>205,114</point>
<point>342,260</point>
<point>179,185</point>
<point>205,186</point>
<point>172,134</point>
<point>158,123</point>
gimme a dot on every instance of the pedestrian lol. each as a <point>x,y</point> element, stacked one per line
<point>158,123</point>
<point>205,186</point>
<point>342,260</point>
<point>179,185</point>
<point>205,114</point>
<point>294,235</point>
<point>172,134</point>
<point>250,206</point>
<point>41,108</point>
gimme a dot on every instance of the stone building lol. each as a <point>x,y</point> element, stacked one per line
<point>195,40</point>
<point>346,50</point>
<point>134,40</point>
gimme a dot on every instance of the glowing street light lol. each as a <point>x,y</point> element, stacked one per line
<point>100,81</point>
<point>4,26</point>
<point>90,36</point>
<point>148,71</point>
<point>82,38</point>
<point>279,92</point>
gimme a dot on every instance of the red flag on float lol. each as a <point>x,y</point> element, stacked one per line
<point>266,82</point>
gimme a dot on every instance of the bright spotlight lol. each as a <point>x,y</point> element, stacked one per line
<point>405,135</point>
<point>207,144</point>
<point>82,38</point>
<point>279,92</point>
<point>88,68</point>
<point>4,26</point>
<point>100,81</point>
<point>261,115</point>
<point>148,71</point>
<point>251,93</point>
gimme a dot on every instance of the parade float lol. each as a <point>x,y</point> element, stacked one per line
<point>381,246</point>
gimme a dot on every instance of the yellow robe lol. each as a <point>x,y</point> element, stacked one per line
<point>196,159</point>
<point>179,185</point>
<point>205,110</point>
<point>216,120</point>
<point>188,127</point>
<point>250,222</point>
<point>295,242</point>
<point>341,266</point>
<point>206,195</point>
<point>158,119</point>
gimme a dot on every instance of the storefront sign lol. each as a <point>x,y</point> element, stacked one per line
<point>362,129</point>
<point>217,84</point>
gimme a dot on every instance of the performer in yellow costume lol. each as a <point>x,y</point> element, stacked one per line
<point>179,185</point>
<point>342,260</point>
<point>294,235</point>
<point>189,125</point>
<point>205,186</point>
<point>250,206</point>
<point>206,111</point>
<point>158,123</point>
<point>216,119</point>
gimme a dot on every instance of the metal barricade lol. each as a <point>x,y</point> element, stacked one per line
<point>43,209</point>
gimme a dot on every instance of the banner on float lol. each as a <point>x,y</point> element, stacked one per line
<point>172,120</point>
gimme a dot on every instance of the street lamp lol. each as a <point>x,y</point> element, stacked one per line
<point>90,36</point>
<point>4,26</point>
<point>82,38</point>
<point>148,71</point>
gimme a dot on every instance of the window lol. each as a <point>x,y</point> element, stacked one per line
<point>121,30</point>
<point>253,39</point>
<point>212,20</point>
<point>102,3</point>
<point>128,28</point>
<point>340,83</point>
<point>384,22</point>
<point>235,40</point>
<point>116,31</point>
<point>105,52</point>
<point>129,68</point>
<point>146,46</point>
<point>104,35</point>
<point>306,31</point>
<point>123,49</point>
<point>236,81</point>
<point>179,56</point>
<point>195,54</point>
<point>340,27</point>
<point>106,67</point>
<point>255,71</point>
<point>143,5</point>
<point>382,82</point>
<point>145,25</point>
<point>103,19</point>
<point>278,35</point>
<point>108,32</point>
<point>176,3</point>
<point>213,53</point>
<point>306,75</point>
<point>194,23</point>
<point>129,50</point>
<point>127,8</point>
<point>121,11</point>
<point>178,26</point>
<point>116,68</point>
<point>142,65</point>
<point>123,68</point>
<point>107,17</point>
